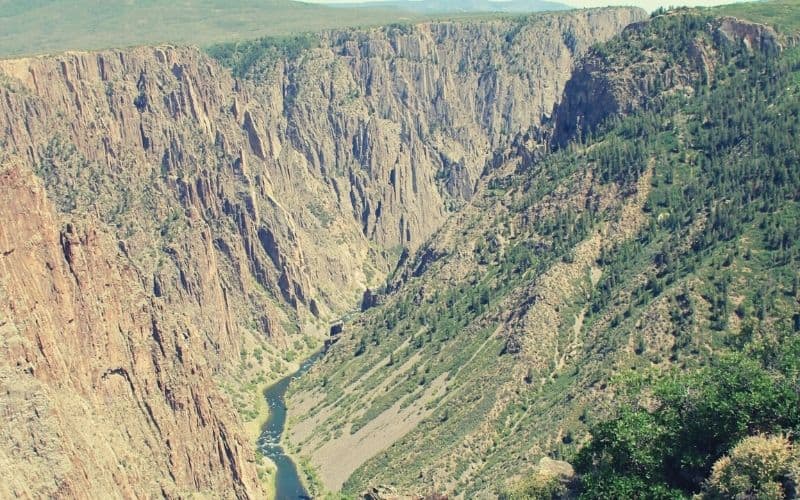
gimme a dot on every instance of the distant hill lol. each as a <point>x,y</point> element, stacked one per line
<point>49,26</point>
<point>29,27</point>
<point>465,6</point>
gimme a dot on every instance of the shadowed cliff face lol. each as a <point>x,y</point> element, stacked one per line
<point>157,215</point>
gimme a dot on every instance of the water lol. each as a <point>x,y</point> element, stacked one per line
<point>287,480</point>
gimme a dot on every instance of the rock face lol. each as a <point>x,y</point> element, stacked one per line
<point>156,213</point>
<point>106,387</point>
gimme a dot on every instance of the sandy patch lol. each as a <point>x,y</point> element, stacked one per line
<point>302,424</point>
<point>337,459</point>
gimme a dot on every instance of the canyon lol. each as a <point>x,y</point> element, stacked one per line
<point>172,237</point>
<point>533,310</point>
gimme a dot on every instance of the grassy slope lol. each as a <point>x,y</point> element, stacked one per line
<point>449,6</point>
<point>52,26</point>
<point>783,14</point>
<point>693,282</point>
<point>42,26</point>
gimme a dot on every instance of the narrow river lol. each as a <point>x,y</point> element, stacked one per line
<point>287,480</point>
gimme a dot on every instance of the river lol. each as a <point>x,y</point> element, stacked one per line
<point>287,479</point>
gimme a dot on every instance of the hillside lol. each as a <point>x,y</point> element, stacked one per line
<point>174,236</point>
<point>53,26</point>
<point>463,6</point>
<point>660,234</point>
<point>30,27</point>
<point>782,14</point>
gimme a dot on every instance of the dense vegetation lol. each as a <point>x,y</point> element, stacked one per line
<point>29,27</point>
<point>669,451</point>
<point>724,210</point>
<point>244,57</point>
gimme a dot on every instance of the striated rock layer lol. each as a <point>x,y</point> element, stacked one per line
<point>157,215</point>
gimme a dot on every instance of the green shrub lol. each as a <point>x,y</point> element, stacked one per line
<point>666,452</point>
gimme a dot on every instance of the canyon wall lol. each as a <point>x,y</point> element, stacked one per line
<point>159,215</point>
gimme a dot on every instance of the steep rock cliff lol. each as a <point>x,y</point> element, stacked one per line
<point>401,122</point>
<point>106,388</point>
